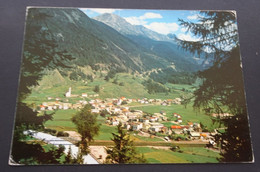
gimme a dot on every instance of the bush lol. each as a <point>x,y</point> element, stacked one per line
<point>96,89</point>
<point>50,131</point>
<point>62,134</point>
<point>178,137</point>
<point>175,148</point>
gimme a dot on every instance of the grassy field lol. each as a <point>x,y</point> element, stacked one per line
<point>62,121</point>
<point>189,155</point>
<point>132,88</point>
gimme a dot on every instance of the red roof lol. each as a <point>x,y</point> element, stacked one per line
<point>176,127</point>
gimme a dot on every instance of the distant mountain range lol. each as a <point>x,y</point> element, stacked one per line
<point>122,26</point>
<point>110,42</point>
<point>159,44</point>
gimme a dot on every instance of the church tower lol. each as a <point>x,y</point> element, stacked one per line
<point>68,94</point>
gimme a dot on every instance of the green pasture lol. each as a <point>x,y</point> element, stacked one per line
<point>189,155</point>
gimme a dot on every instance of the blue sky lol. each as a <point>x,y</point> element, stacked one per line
<point>161,21</point>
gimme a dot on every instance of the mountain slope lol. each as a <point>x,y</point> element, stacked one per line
<point>92,42</point>
<point>125,28</point>
<point>159,44</point>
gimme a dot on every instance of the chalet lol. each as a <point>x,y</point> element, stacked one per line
<point>42,107</point>
<point>151,100</point>
<point>95,110</point>
<point>119,102</point>
<point>77,106</point>
<point>137,126</point>
<point>66,106</point>
<point>177,101</point>
<point>146,127</point>
<point>205,135</point>
<point>131,116</point>
<point>127,126</point>
<point>176,129</point>
<point>153,119</point>
<point>164,103</point>
<point>123,98</point>
<point>221,115</point>
<point>84,95</point>
<point>190,124</point>
<point>115,123</point>
<point>196,127</point>
<point>164,129</point>
<point>194,135</point>
<point>179,120</point>
<point>155,127</point>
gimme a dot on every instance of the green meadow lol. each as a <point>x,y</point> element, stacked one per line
<point>189,155</point>
<point>132,88</point>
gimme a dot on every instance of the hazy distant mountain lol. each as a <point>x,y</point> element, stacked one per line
<point>125,28</point>
<point>161,45</point>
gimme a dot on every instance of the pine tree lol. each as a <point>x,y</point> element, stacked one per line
<point>124,151</point>
<point>40,52</point>
<point>69,158</point>
<point>222,83</point>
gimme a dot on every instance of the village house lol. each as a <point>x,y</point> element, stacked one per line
<point>155,127</point>
<point>146,127</point>
<point>176,129</point>
<point>95,110</point>
<point>77,106</point>
<point>221,115</point>
<point>194,135</point>
<point>66,106</point>
<point>153,119</point>
<point>137,126</point>
<point>84,95</point>
<point>179,120</point>
<point>177,101</point>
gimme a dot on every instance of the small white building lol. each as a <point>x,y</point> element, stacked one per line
<point>68,94</point>
<point>84,95</point>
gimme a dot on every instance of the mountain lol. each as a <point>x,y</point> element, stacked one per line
<point>161,45</point>
<point>92,42</point>
<point>125,28</point>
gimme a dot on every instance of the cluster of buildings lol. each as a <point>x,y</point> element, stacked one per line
<point>167,102</point>
<point>116,111</point>
<point>55,105</point>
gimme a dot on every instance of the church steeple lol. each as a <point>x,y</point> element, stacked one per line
<point>68,94</point>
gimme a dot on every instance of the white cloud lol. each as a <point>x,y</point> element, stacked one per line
<point>141,19</point>
<point>163,28</point>
<point>102,10</point>
<point>193,17</point>
<point>187,37</point>
<point>135,20</point>
<point>151,16</point>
